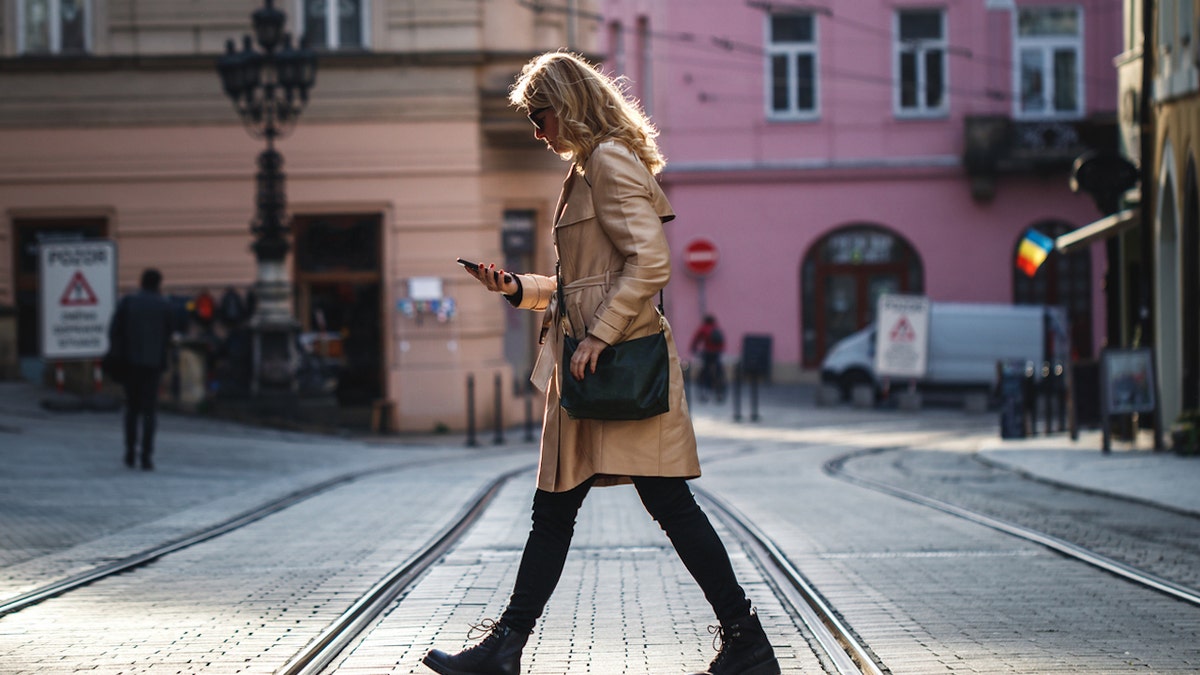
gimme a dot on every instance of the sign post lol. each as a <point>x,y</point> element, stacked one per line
<point>78,295</point>
<point>700,258</point>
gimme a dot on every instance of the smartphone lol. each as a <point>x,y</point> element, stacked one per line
<point>474,267</point>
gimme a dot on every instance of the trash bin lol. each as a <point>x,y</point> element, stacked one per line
<point>756,356</point>
<point>1012,398</point>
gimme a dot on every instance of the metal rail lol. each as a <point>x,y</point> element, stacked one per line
<point>67,584</point>
<point>841,645</point>
<point>323,649</point>
<point>837,469</point>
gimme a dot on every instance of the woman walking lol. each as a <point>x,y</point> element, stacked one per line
<point>614,260</point>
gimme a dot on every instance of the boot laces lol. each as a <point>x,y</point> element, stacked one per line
<point>723,640</point>
<point>484,630</point>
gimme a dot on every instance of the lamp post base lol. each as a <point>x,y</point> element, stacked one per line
<point>274,349</point>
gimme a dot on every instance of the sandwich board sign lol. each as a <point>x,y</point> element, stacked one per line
<point>77,297</point>
<point>902,336</point>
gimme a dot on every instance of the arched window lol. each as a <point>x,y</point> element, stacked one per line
<point>842,277</point>
<point>1062,280</point>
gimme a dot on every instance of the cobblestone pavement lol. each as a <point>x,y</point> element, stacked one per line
<point>1161,541</point>
<point>931,593</point>
<point>249,600</point>
<point>625,603</point>
<point>927,592</point>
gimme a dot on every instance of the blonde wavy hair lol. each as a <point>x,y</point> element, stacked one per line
<point>591,107</point>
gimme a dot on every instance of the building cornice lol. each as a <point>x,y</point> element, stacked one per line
<point>863,168</point>
<point>343,59</point>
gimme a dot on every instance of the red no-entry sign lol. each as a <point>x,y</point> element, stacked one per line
<point>700,257</point>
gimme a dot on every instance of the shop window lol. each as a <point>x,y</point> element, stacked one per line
<point>841,280</point>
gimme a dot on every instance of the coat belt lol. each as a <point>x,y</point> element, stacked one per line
<point>548,355</point>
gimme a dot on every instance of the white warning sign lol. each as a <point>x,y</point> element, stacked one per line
<point>78,295</point>
<point>902,336</point>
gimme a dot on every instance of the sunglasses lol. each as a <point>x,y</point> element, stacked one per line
<point>537,119</point>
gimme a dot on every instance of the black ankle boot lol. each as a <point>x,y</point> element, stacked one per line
<point>745,649</point>
<point>498,654</point>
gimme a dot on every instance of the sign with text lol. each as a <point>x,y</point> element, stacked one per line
<point>77,298</point>
<point>902,336</point>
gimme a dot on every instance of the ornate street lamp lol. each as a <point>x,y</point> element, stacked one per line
<point>269,88</point>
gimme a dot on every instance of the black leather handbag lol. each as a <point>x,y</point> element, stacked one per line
<point>632,379</point>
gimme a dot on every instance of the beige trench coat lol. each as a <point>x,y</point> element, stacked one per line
<point>614,259</point>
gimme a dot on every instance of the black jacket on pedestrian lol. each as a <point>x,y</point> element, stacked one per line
<point>141,329</point>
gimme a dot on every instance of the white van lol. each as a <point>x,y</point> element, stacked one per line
<point>966,340</point>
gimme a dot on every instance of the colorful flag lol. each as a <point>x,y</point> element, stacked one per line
<point>1034,250</point>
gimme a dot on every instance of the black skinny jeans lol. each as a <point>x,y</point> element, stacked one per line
<point>670,502</point>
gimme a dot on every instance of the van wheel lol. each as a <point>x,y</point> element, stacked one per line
<point>851,379</point>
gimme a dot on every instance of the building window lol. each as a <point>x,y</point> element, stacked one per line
<point>1175,57</point>
<point>792,66</point>
<point>335,24</point>
<point>1049,72</point>
<point>53,26</point>
<point>921,74</point>
<point>616,47</point>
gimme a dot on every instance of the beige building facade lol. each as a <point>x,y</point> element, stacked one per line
<point>113,124</point>
<point>1172,196</point>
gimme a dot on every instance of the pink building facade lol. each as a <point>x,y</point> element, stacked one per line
<point>834,151</point>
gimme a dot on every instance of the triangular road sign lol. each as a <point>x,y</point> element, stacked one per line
<point>78,293</point>
<point>903,331</point>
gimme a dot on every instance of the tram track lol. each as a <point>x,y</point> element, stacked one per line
<point>322,650</point>
<point>845,650</point>
<point>838,468</point>
<point>144,557</point>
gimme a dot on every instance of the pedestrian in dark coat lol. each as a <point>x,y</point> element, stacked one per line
<point>614,259</point>
<point>140,333</point>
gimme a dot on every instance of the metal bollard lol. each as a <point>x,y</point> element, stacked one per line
<point>498,418</point>
<point>1047,397</point>
<point>737,392</point>
<point>754,398</point>
<point>471,441</point>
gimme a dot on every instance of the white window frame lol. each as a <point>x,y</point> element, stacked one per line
<point>55,21</point>
<point>333,25</point>
<point>919,49</point>
<point>791,50</point>
<point>1176,43</point>
<point>1048,44</point>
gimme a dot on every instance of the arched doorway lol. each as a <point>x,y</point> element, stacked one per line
<point>1191,288</point>
<point>1167,289</point>
<point>843,275</point>
<point>1063,280</point>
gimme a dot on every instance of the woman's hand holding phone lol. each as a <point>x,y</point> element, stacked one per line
<point>494,279</point>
